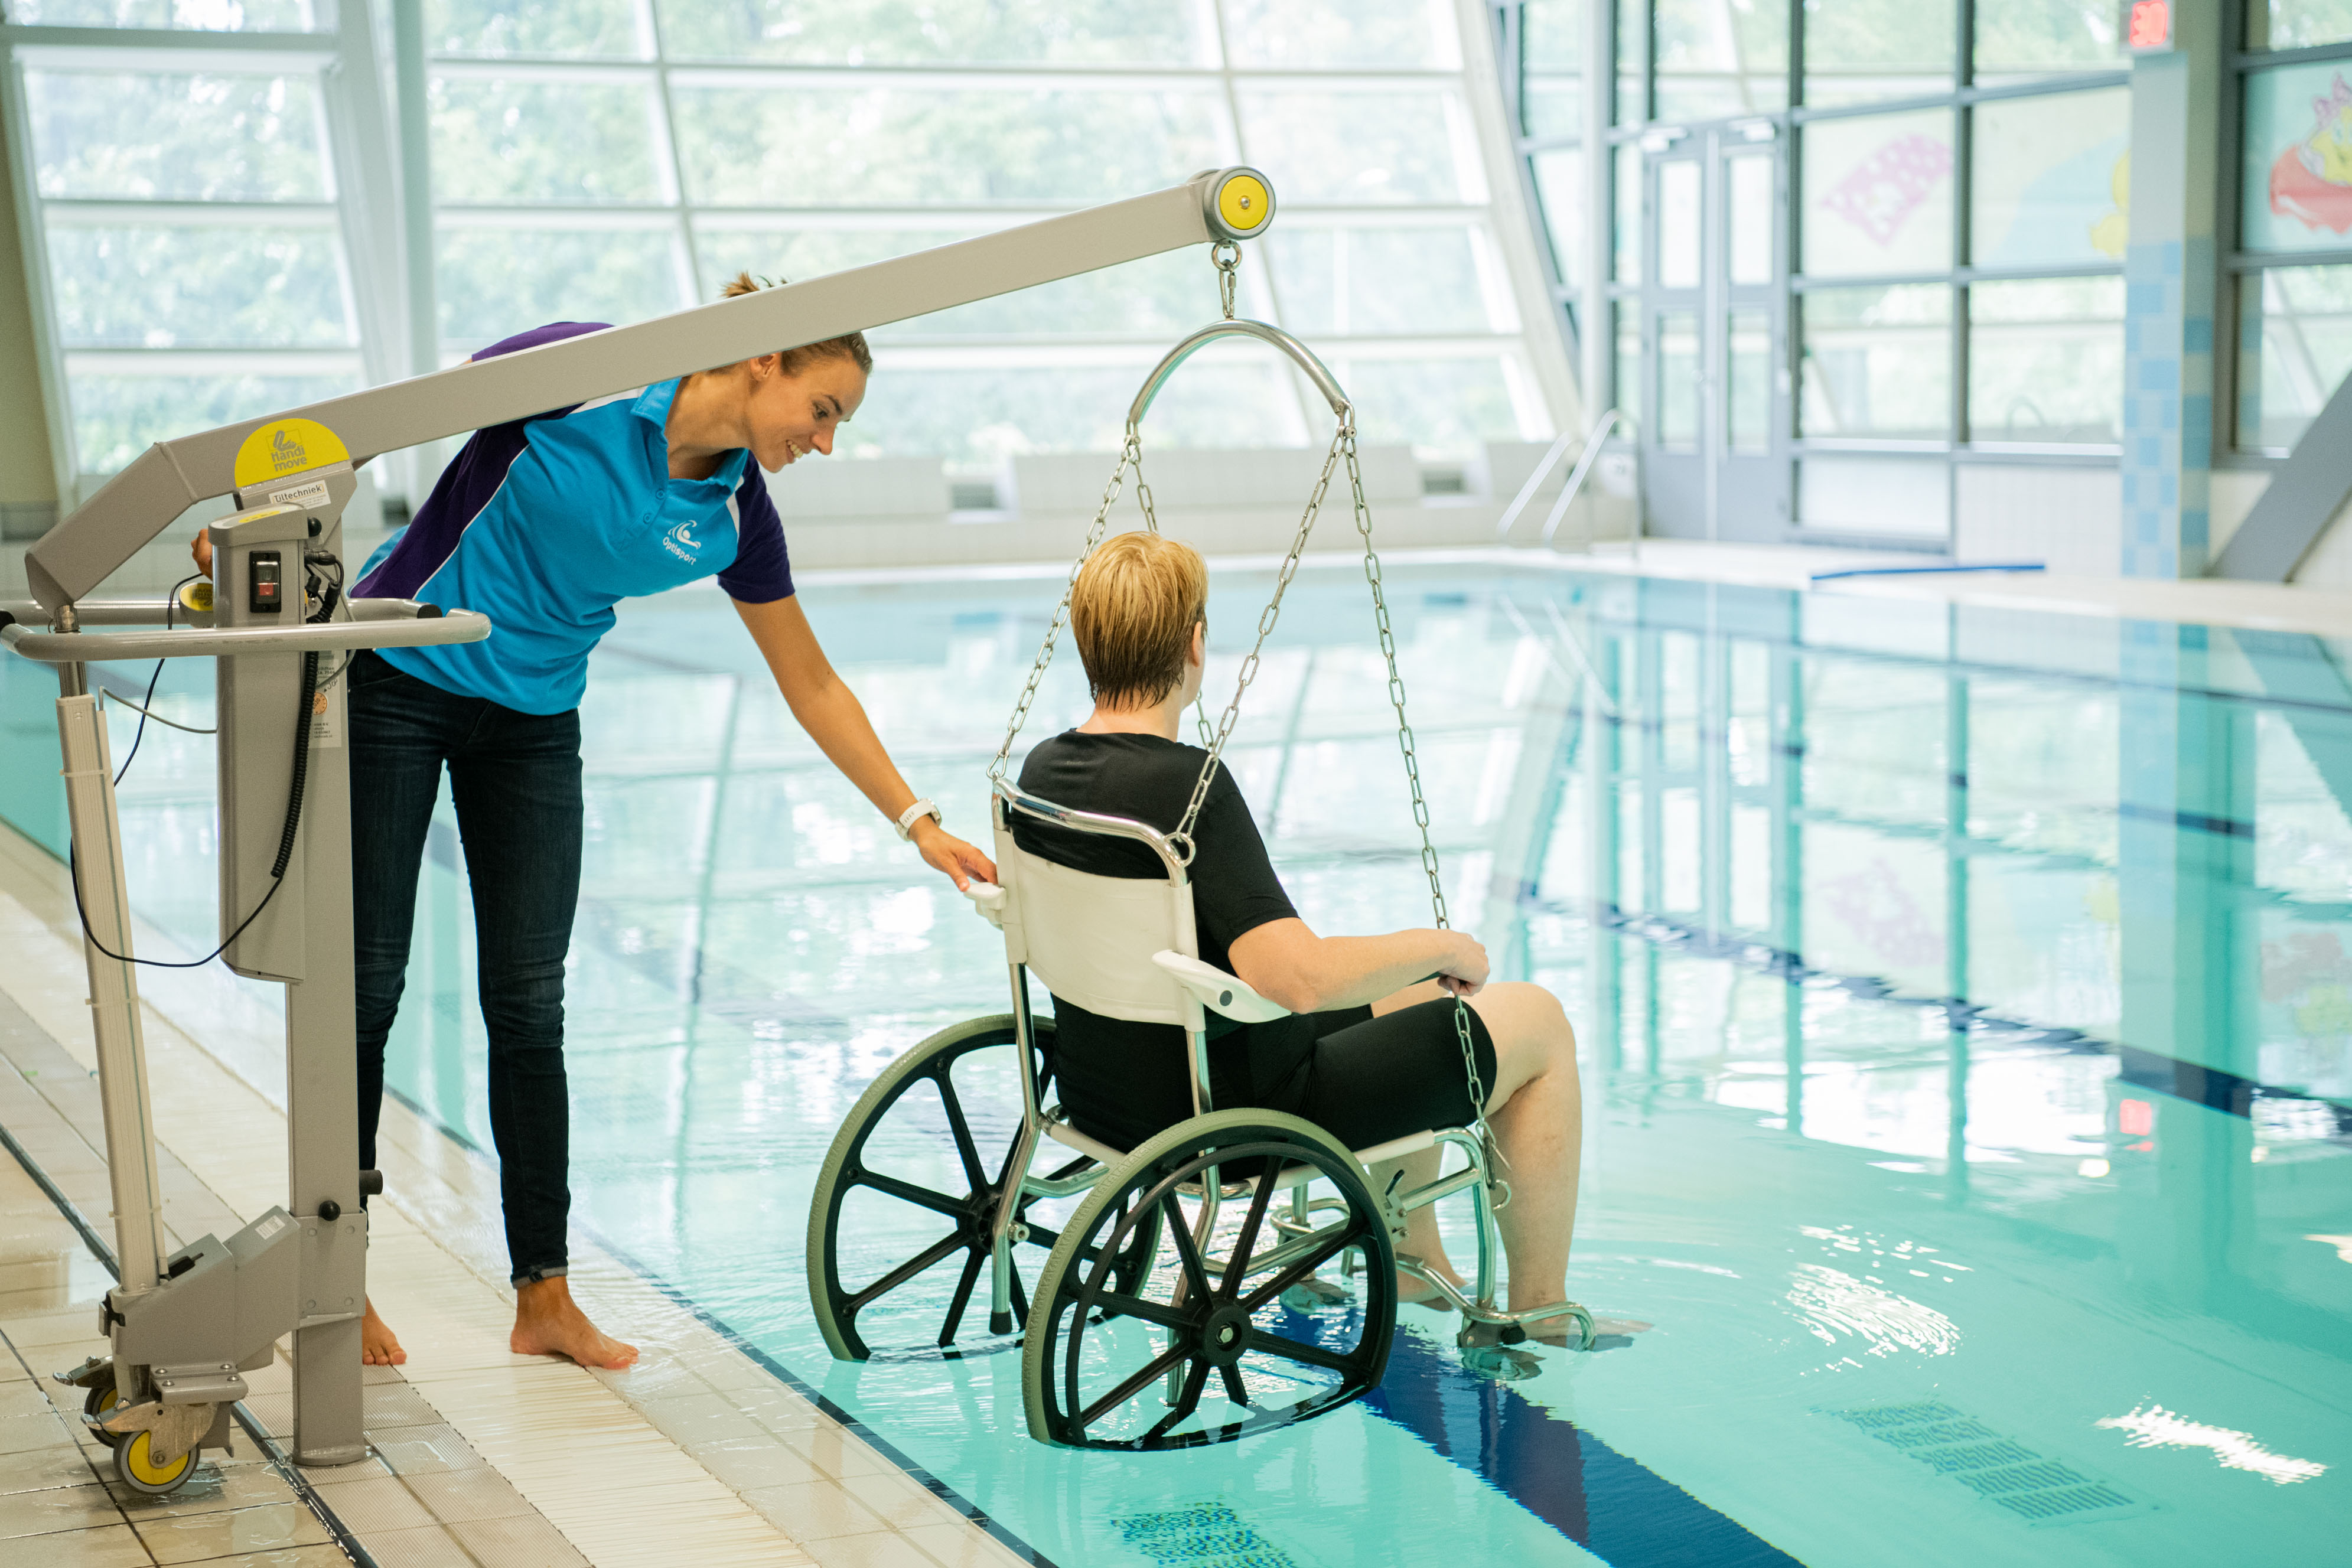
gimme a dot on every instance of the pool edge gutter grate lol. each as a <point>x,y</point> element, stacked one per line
<point>2001,1470</point>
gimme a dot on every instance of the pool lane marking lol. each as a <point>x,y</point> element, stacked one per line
<point>2210,1087</point>
<point>1614,1507</point>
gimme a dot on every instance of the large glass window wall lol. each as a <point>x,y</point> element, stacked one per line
<point>2289,275</point>
<point>1953,184</point>
<point>206,211</point>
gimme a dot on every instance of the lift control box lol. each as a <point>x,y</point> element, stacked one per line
<point>269,596</point>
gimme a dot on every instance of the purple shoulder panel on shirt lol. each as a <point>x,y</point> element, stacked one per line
<point>762,572</point>
<point>467,485</point>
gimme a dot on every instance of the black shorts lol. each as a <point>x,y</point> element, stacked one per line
<point>1364,1080</point>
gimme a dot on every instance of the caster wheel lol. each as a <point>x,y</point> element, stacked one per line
<point>98,1401</point>
<point>136,1471</point>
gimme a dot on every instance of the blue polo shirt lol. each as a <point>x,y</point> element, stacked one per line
<point>546,523</point>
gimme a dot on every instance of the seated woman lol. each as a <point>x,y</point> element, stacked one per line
<point>1371,1051</point>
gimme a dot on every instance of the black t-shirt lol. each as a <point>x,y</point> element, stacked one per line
<point>1122,1080</point>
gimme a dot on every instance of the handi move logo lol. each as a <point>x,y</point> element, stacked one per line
<point>284,446</point>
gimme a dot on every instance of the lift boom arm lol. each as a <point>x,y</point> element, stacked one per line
<point>140,502</point>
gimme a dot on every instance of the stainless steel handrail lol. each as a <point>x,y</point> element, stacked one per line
<point>1592,440</point>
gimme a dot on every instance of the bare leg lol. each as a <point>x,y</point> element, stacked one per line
<point>378,1345</point>
<point>548,1321</point>
<point>1537,1111</point>
<point>1421,1236</point>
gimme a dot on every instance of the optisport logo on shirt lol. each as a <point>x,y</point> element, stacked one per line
<point>680,542</point>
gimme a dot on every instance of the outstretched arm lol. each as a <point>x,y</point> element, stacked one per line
<point>836,721</point>
<point>1289,965</point>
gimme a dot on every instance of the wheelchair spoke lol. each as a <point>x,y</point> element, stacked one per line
<point>1299,1270</point>
<point>904,1272</point>
<point>1190,1401</point>
<point>1196,1274</point>
<point>971,1268</point>
<point>965,1147</point>
<point>1234,1389</point>
<point>907,1192</point>
<point>1295,1350</point>
<point>1157,1368</point>
<point>1159,1313</point>
<point>1247,1240</point>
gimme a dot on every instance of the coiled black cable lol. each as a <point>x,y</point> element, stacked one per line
<point>327,602</point>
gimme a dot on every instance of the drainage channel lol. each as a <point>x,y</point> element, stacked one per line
<point>277,1456</point>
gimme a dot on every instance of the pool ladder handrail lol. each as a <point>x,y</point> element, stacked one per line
<point>1592,440</point>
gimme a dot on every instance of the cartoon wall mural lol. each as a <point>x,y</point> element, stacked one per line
<point>2311,181</point>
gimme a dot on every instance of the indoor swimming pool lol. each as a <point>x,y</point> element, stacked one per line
<point>1965,1008</point>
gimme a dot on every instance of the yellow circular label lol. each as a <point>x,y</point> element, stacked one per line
<point>1244,202</point>
<point>287,446</point>
<point>197,596</point>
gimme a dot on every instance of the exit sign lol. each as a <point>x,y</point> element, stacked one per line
<point>2148,25</point>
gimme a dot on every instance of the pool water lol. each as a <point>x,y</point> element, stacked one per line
<point>1966,1019</point>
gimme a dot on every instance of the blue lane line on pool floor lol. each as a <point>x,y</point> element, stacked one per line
<point>1617,1509</point>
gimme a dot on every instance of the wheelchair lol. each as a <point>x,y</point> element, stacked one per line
<point>1179,1301</point>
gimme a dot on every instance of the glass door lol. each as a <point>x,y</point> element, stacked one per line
<point>1715,382</point>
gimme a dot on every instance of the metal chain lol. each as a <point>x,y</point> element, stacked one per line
<point>1130,456</point>
<point>1227,254</point>
<point>1500,1189</point>
<point>1344,438</point>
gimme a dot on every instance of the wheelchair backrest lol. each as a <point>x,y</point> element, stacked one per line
<point>1090,938</point>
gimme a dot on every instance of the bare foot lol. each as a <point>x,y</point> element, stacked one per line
<point>1562,1332</point>
<point>548,1321</point>
<point>378,1345</point>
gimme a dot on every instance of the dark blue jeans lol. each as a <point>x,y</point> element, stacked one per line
<point>516,780</point>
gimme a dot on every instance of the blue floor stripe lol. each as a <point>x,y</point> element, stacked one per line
<point>1617,1509</point>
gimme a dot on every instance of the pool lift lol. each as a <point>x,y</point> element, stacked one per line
<point>1140,1302</point>
<point>185,1323</point>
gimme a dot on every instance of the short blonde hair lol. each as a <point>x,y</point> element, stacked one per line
<point>1132,611</point>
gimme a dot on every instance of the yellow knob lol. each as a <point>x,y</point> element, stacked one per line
<point>1243,203</point>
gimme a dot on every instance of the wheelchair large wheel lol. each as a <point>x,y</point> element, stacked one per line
<point>912,1183</point>
<point>1191,1353</point>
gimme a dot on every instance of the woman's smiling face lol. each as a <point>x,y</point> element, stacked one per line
<point>790,415</point>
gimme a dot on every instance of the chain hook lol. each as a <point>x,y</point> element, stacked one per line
<point>1227,256</point>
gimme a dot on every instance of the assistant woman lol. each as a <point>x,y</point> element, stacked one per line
<point>543,525</point>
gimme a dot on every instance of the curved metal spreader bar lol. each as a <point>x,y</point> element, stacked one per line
<point>1317,371</point>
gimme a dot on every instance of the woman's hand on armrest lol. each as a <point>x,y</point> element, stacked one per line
<point>1289,965</point>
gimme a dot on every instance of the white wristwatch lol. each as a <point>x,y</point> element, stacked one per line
<point>921,808</point>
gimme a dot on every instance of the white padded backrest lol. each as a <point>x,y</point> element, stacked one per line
<point>1090,938</point>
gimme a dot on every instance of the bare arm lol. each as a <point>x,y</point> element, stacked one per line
<point>836,721</point>
<point>1287,964</point>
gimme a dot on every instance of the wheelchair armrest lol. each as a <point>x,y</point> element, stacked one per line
<point>989,899</point>
<point>1219,992</point>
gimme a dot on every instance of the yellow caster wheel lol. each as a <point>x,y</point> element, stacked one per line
<point>101,1400</point>
<point>138,1471</point>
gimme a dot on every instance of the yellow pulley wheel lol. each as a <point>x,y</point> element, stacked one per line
<point>1244,203</point>
<point>134,1464</point>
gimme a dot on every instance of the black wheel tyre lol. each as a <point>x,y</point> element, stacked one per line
<point>98,1401</point>
<point>1124,1363</point>
<point>977,1143</point>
